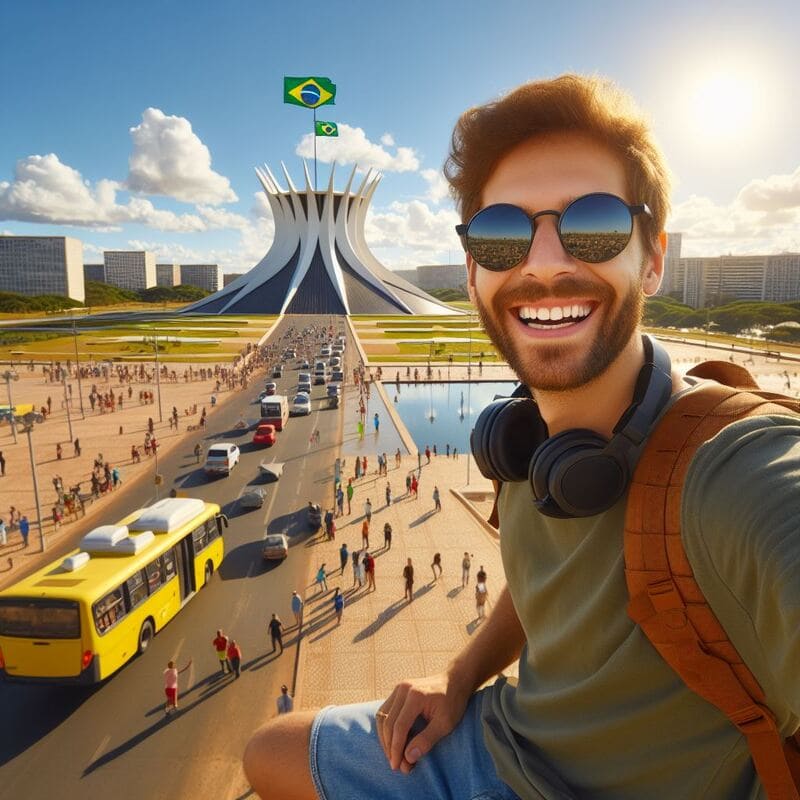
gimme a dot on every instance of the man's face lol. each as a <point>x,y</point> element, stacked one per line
<point>549,355</point>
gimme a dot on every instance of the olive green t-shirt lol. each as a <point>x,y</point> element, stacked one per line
<point>596,712</point>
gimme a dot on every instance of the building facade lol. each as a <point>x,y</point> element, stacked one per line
<point>42,265</point>
<point>130,269</point>
<point>230,277</point>
<point>711,281</point>
<point>94,272</point>
<point>168,274</point>
<point>205,276</point>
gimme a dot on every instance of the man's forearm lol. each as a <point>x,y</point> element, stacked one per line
<point>497,644</point>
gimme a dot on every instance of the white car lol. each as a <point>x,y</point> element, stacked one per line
<point>301,406</point>
<point>221,459</point>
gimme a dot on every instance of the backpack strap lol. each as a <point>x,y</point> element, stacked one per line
<point>666,601</point>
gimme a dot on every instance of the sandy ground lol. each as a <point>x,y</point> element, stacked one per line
<point>109,434</point>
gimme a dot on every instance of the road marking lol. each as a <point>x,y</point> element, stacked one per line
<point>100,748</point>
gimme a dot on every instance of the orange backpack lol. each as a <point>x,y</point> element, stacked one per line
<point>665,600</point>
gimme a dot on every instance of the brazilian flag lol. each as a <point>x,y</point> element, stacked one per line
<point>326,128</point>
<point>308,92</point>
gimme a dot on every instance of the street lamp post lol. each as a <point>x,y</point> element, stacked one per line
<point>78,366</point>
<point>158,379</point>
<point>9,375</point>
<point>28,421</point>
<point>66,405</point>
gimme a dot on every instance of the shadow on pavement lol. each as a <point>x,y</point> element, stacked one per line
<point>387,614</point>
<point>422,518</point>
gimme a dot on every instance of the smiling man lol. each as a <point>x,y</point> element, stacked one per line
<point>564,197</point>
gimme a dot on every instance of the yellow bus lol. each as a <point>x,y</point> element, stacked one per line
<point>78,620</point>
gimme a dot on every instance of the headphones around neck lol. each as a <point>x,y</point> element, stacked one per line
<point>576,473</point>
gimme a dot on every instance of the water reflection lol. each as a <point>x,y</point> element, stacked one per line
<point>443,413</point>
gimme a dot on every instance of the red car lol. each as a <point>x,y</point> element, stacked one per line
<point>265,434</point>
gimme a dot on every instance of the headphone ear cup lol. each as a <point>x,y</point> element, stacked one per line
<point>572,475</point>
<point>480,435</point>
<point>506,433</point>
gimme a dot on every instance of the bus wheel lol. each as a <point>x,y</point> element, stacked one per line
<point>209,571</point>
<point>146,635</point>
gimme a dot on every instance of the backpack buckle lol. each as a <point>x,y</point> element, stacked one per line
<point>753,719</point>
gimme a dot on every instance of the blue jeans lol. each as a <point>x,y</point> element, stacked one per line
<point>348,762</point>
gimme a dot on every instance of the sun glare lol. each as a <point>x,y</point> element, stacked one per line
<point>722,106</point>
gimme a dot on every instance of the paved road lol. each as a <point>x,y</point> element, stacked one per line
<point>113,740</point>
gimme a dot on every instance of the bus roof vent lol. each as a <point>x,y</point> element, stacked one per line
<point>115,540</point>
<point>168,514</point>
<point>103,538</point>
<point>75,561</point>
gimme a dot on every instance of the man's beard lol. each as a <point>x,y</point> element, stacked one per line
<point>549,368</point>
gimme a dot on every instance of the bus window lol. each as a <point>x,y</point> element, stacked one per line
<point>137,589</point>
<point>212,531</point>
<point>39,619</point>
<point>169,565</point>
<point>154,579</point>
<point>200,538</point>
<point>109,610</point>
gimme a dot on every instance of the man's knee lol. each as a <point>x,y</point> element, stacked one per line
<point>276,759</point>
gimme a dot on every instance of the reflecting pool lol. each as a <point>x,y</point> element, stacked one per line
<point>443,413</point>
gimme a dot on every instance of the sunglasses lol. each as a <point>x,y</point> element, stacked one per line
<point>592,228</point>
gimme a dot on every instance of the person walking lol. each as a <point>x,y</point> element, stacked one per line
<point>387,536</point>
<point>427,454</point>
<point>397,458</point>
<point>285,702</point>
<point>408,484</point>
<point>171,685</point>
<point>369,567</point>
<point>59,451</point>
<point>376,421</point>
<point>466,563</point>
<point>338,605</point>
<point>388,494</point>
<point>368,510</point>
<point>344,557</point>
<point>339,501</point>
<point>297,609</point>
<point>76,447</point>
<point>436,564</point>
<point>437,500</point>
<point>276,632</point>
<point>481,598</point>
<point>221,647</point>
<point>116,480</point>
<point>2,465</point>
<point>354,559</point>
<point>24,529</point>
<point>197,452</point>
<point>365,534</point>
<point>3,534</point>
<point>415,487</point>
<point>408,577</point>
<point>481,575</point>
<point>322,581</point>
<point>235,657</point>
<point>362,570</point>
<point>350,491</point>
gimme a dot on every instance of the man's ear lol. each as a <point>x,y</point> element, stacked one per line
<point>654,267</point>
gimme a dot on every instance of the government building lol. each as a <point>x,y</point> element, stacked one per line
<point>42,265</point>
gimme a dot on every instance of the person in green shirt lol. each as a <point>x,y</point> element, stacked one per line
<point>564,195</point>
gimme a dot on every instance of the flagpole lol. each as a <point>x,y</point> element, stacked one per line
<point>314,132</point>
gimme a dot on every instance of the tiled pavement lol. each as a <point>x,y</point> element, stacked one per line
<point>382,638</point>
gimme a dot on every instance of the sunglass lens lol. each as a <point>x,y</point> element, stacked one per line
<point>596,227</point>
<point>499,236</point>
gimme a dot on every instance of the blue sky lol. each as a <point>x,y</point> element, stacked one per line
<point>139,125</point>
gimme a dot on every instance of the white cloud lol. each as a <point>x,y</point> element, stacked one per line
<point>352,146</point>
<point>169,159</point>
<point>46,191</point>
<point>438,187</point>
<point>410,233</point>
<point>778,193</point>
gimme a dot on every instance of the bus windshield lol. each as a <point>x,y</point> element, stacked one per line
<point>39,619</point>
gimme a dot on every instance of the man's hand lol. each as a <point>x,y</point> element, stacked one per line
<point>436,700</point>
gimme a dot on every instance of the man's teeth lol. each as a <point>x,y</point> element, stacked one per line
<point>559,314</point>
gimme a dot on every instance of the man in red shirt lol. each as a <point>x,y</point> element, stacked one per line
<point>235,657</point>
<point>221,646</point>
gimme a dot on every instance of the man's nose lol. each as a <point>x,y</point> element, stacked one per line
<point>547,259</point>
